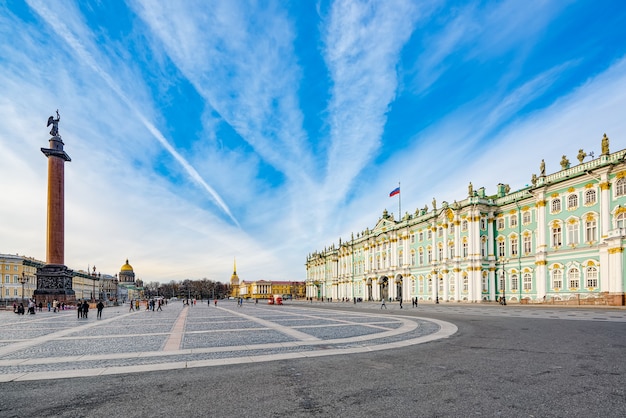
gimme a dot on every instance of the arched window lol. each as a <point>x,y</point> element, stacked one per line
<point>514,245</point>
<point>514,282</point>
<point>465,283</point>
<point>557,235</point>
<point>590,197</point>
<point>620,187</point>
<point>464,225</point>
<point>465,251</point>
<point>412,258</point>
<point>572,201</point>
<point>573,277</point>
<point>556,205</point>
<point>500,223</point>
<point>452,283</point>
<point>592,276</point>
<point>526,217</point>
<point>620,220</point>
<point>557,279</point>
<point>501,248</point>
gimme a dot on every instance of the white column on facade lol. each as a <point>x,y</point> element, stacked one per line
<point>605,209</point>
<point>616,269</point>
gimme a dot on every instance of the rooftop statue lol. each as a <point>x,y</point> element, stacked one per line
<point>542,168</point>
<point>581,155</point>
<point>564,163</point>
<point>470,190</point>
<point>605,145</point>
<point>55,124</point>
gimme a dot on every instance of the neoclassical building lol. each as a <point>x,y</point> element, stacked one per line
<point>559,240</point>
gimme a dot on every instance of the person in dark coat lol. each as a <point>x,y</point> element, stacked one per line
<point>100,307</point>
<point>85,309</point>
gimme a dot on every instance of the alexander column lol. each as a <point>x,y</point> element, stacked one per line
<point>54,280</point>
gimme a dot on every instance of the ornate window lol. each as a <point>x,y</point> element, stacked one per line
<point>590,230</point>
<point>590,197</point>
<point>439,232</point>
<point>400,260</point>
<point>592,277</point>
<point>429,255</point>
<point>412,258</point>
<point>412,238</point>
<point>620,220</point>
<point>483,223</point>
<point>513,221</point>
<point>514,245</point>
<point>557,279</point>
<point>451,251</point>
<point>556,205</point>
<point>500,223</point>
<point>620,187</point>
<point>527,279</point>
<point>421,256</point>
<point>557,235</point>
<point>465,283</point>
<point>572,201</point>
<point>572,233</point>
<point>465,249</point>
<point>421,236</point>
<point>452,283</point>
<point>440,252</point>
<point>514,282</point>
<point>430,233</point>
<point>526,217</point>
<point>573,277</point>
<point>452,228</point>
<point>528,244</point>
<point>483,246</point>
<point>464,225</point>
<point>501,288</point>
<point>501,248</point>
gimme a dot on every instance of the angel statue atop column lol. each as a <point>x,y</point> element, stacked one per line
<point>55,124</point>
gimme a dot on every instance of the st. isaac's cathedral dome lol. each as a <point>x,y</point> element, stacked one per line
<point>127,275</point>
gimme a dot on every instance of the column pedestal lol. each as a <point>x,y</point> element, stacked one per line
<point>54,281</point>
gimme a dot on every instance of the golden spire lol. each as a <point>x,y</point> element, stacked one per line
<point>234,266</point>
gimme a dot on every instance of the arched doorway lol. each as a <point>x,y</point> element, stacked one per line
<point>399,287</point>
<point>384,287</point>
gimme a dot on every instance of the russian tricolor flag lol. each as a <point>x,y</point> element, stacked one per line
<point>394,192</point>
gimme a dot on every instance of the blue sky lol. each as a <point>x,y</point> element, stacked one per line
<point>203,131</point>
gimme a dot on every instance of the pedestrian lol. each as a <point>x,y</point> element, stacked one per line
<point>215,302</point>
<point>85,309</point>
<point>416,301</point>
<point>256,301</point>
<point>132,308</point>
<point>400,303</point>
<point>159,307</point>
<point>40,307</point>
<point>79,309</point>
<point>382,304</point>
<point>100,307</point>
<point>49,306</point>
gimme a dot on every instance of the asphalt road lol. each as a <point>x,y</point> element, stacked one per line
<point>493,366</point>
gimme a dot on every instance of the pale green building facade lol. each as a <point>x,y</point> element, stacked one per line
<point>559,240</point>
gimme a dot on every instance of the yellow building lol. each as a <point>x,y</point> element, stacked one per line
<point>263,289</point>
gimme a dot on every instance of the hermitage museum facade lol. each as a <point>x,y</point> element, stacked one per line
<point>559,240</point>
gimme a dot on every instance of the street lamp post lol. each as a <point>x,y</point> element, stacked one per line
<point>23,280</point>
<point>436,271</point>
<point>503,300</point>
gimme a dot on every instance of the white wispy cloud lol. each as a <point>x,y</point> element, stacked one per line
<point>71,30</point>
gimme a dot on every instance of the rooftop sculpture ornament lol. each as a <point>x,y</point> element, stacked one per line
<point>605,145</point>
<point>542,168</point>
<point>55,124</point>
<point>564,163</point>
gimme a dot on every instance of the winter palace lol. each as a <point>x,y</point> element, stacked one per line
<point>559,240</point>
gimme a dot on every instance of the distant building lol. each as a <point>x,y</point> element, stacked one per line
<point>559,240</point>
<point>234,281</point>
<point>129,288</point>
<point>263,289</point>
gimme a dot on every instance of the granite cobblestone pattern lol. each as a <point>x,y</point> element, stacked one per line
<point>124,339</point>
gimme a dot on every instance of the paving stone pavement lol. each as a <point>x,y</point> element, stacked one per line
<point>51,345</point>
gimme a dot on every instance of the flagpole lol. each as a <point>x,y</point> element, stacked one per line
<point>399,203</point>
